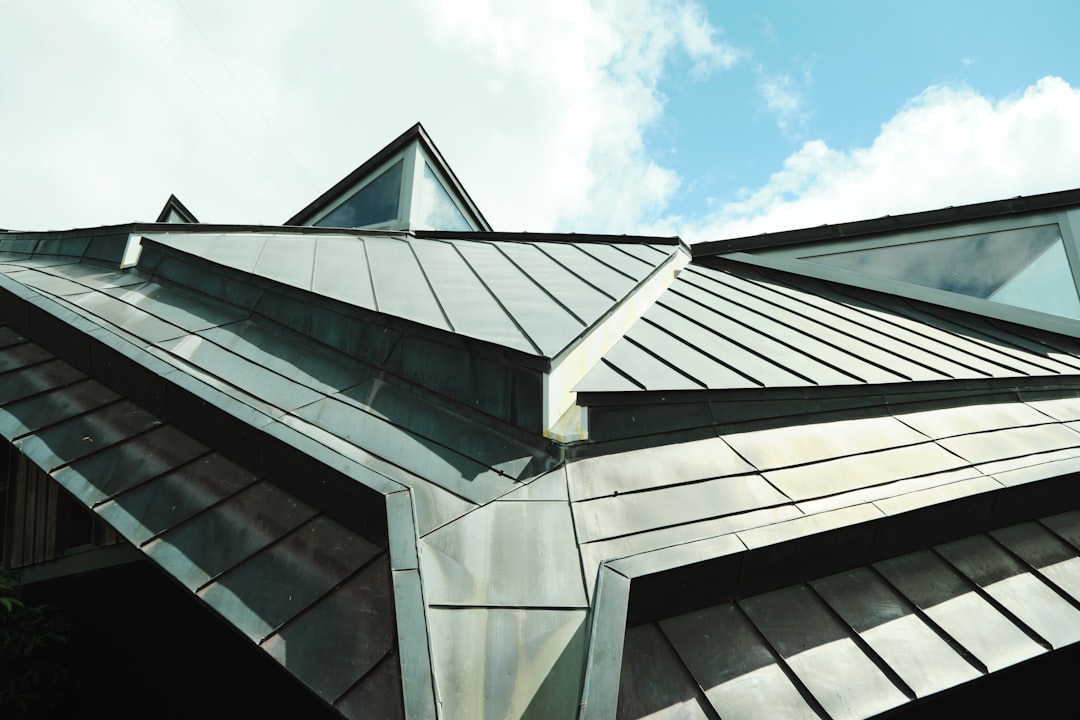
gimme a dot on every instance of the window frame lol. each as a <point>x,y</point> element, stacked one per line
<point>403,196</point>
<point>413,158</point>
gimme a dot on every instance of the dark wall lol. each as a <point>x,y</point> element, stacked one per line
<point>143,647</point>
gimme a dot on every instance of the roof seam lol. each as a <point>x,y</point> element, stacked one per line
<point>431,287</point>
<point>370,275</point>
<point>496,298</point>
<point>570,270</point>
<point>874,331</point>
<point>543,289</point>
<point>702,351</point>
<point>784,343</point>
<point>816,323</point>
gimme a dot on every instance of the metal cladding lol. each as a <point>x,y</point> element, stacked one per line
<point>531,296</point>
<point>863,641</point>
<point>786,497</point>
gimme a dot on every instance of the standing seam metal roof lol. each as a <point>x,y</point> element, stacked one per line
<point>511,568</point>
<point>737,327</point>
<point>535,297</point>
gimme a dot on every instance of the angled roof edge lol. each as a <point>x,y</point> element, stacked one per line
<point>415,133</point>
<point>553,237</point>
<point>862,396</point>
<point>195,228</point>
<point>891,223</point>
<point>637,588</point>
<point>173,204</point>
<point>488,236</point>
<point>448,338</point>
<point>575,360</point>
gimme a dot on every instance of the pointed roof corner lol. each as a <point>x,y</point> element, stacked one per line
<point>404,186</point>
<point>175,211</point>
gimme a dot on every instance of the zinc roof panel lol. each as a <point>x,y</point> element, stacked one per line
<point>646,369</point>
<point>287,260</point>
<point>804,482</point>
<point>787,358</point>
<point>547,323</point>
<point>401,288</point>
<point>801,444</point>
<point>635,512</point>
<point>925,346</point>
<point>572,289</point>
<point>790,330</point>
<point>341,271</point>
<point>471,307</point>
<point>613,282</point>
<point>853,340</point>
<point>654,467</point>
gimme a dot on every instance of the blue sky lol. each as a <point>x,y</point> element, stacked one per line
<point>706,120</point>
<point>847,68</point>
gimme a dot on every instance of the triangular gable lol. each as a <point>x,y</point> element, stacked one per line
<point>405,186</point>
<point>989,259</point>
<point>174,211</point>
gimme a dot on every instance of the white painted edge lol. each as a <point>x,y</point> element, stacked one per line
<point>132,251</point>
<point>572,365</point>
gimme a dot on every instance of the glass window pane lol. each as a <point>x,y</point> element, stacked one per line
<point>434,209</point>
<point>1025,267</point>
<point>376,202</point>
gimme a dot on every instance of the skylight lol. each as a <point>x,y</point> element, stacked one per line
<point>1023,267</point>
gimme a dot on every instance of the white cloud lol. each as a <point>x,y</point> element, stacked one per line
<point>540,107</point>
<point>785,100</point>
<point>785,96</point>
<point>948,146</point>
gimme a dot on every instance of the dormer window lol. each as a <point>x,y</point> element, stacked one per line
<point>376,202</point>
<point>174,212</point>
<point>405,186</point>
<point>435,208</point>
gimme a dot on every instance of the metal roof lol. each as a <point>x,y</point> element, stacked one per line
<point>532,296</point>
<point>278,569</point>
<point>737,327</point>
<point>867,640</point>
<point>305,426</point>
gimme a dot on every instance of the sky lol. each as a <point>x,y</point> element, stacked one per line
<point>706,120</point>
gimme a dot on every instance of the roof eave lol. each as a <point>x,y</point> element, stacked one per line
<point>893,223</point>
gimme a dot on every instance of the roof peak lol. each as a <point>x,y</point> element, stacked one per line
<point>406,185</point>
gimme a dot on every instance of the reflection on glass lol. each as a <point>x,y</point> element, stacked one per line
<point>435,210</point>
<point>376,202</point>
<point>1025,268</point>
